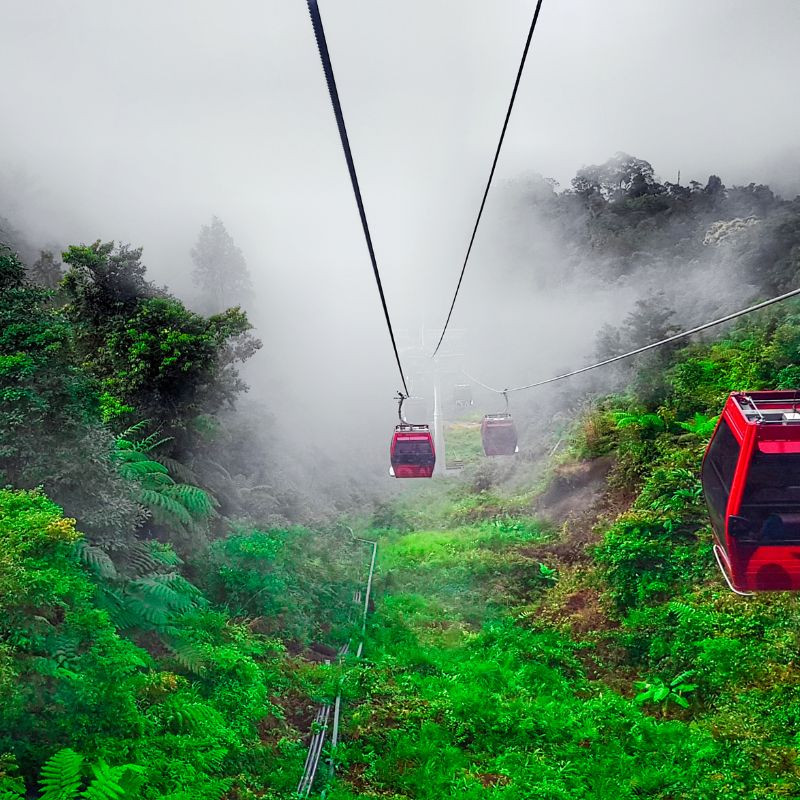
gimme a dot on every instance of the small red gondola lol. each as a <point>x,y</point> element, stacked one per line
<point>412,453</point>
<point>751,482</point>
<point>498,435</point>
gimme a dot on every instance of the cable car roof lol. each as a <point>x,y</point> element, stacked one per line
<point>774,415</point>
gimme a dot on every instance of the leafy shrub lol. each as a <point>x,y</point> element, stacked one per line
<point>646,555</point>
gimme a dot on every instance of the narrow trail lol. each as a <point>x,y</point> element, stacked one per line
<point>328,713</point>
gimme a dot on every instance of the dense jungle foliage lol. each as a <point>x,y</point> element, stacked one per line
<point>165,623</point>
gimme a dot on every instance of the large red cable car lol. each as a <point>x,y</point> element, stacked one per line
<point>411,453</point>
<point>751,482</point>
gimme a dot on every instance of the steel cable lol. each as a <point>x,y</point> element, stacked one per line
<point>491,172</point>
<point>675,337</point>
<point>322,45</point>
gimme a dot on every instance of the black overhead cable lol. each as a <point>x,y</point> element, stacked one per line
<point>651,346</point>
<point>319,33</point>
<point>491,173</point>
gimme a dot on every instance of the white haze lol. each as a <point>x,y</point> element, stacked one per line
<point>138,121</point>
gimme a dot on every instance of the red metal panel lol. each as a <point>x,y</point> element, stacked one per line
<point>766,423</point>
<point>733,416</point>
<point>421,460</point>
<point>498,435</point>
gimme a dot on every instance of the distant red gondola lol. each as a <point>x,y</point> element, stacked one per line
<point>498,435</point>
<point>751,482</point>
<point>412,453</point>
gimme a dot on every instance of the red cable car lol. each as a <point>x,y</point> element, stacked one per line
<point>498,435</point>
<point>751,483</point>
<point>412,453</point>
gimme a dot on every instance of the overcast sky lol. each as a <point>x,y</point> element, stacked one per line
<point>139,120</point>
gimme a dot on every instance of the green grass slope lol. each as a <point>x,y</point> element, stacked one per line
<point>604,659</point>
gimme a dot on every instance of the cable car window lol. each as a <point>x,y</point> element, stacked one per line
<point>410,452</point>
<point>718,470</point>
<point>771,500</point>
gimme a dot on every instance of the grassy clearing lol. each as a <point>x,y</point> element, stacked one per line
<point>463,442</point>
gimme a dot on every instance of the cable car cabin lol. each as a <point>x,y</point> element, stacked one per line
<point>412,453</point>
<point>751,482</point>
<point>498,435</point>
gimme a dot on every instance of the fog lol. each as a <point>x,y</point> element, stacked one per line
<point>138,121</point>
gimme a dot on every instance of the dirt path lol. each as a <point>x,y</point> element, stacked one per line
<point>576,498</point>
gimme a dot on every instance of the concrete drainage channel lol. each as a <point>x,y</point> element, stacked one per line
<point>328,714</point>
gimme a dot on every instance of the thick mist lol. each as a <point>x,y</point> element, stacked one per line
<point>139,122</point>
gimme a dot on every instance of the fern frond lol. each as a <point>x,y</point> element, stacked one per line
<point>61,775</point>
<point>137,427</point>
<point>188,655</point>
<point>177,469</point>
<point>164,554</point>
<point>689,615</point>
<point>140,466</point>
<point>141,556</point>
<point>157,589</point>
<point>167,509</point>
<point>110,782</point>
<point>194,499</point>
<point>64,649</point>
<point>145,613</point>
<point>179,584</point>
<point>131,778</point>
<point>151,442</point>
<point>185,717</point>
<point>96,559</point>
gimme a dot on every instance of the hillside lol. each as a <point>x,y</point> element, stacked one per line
<point>182,589</point>
<point>596,655</point>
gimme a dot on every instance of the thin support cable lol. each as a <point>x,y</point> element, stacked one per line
<point>322,45</point>
<point>653,345</point>
<point>491,173</point>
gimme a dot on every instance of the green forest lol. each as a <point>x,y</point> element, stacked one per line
<point>556,631</point>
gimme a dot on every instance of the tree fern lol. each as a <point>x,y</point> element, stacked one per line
<point>194,499</point>
<point>186,716</point>
<point>157,589</point>
<point>170,503</point>
<point>61,775</point>
<point>164,554</point>
<point>146,557</point>
<point>187,654</point>
<point>151,442</point>
<point>177,469</point>
<point>113,783</point>
<point>144,611</point>
<point>143,469</point>
<point>137,427</point>
<point>96,558</point>
<point>165,508</point>
<point>152,601</point>
<point>61,779</point>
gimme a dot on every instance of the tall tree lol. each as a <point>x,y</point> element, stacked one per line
<point>46,270</point>
<point>220,271</point>
<point>145,348</point>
